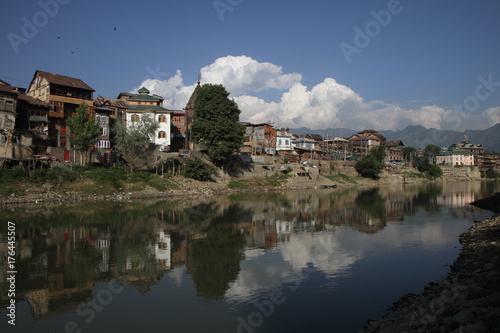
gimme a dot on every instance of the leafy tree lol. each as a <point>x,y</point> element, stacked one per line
<point>379,153</point>
<point>408,151</point>
<point>369,166</point>
<point>84,131</point>
<point>434,171</point>
<point>432,150</point>
<point>216,123</point>
<point>134,142</point>
<point>197,169</point>
<point>421,163</point>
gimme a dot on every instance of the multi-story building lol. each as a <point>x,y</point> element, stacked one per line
<point>178,131</point>
<point>363,142</point>
<point>454,158</point>
<point>283,141</point>
<point>64,94</point>
<point>143,103</point>
<point>261,138</point>
<point>394,151</point>
<point>107,111</point>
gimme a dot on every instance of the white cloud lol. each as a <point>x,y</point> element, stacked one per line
<point>327,104</point>
<point>493,115</point>
<point>243,74</point>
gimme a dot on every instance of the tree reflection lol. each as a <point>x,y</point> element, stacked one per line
<point>374,205</point>
<point>215,260</point>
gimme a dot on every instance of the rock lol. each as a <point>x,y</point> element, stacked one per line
<point>463,317</point>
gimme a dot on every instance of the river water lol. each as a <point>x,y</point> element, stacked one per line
<point>307,261</point>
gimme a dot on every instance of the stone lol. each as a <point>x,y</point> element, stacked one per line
<point>464,316</point>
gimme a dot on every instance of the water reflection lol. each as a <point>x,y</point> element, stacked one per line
<point>232,248</point>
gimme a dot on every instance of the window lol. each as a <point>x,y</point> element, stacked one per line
<point>103,144</point>
<point>162,135</point>
<point>135,118</point>
<point>104,131</point>
<point>162,118</point>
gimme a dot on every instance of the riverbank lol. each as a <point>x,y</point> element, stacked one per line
<point>467,300</point>
<point>99,186</point>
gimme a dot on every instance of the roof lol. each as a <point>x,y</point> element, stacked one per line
<point>33,101</point>
<point>113,102</point>
<point>455,152</point>
<point>63,80</point>
<point>144,89</point>
<point>147,108</point>
<point>8,89</point>
<point>316,137</point>
<point>394,143</point>
<point>144,97</point>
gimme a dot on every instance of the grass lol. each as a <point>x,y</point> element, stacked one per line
<point>86,179</point>
<point>275,180</point>
<point>341,178</point>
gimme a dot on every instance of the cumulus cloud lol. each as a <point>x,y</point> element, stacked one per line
<point>326,104</point>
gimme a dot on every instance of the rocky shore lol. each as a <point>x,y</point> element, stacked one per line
<point>466,301</point>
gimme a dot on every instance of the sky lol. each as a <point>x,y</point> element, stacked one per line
<point>356,64</point>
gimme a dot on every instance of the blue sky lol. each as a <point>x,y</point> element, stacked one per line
<point>360,64</point>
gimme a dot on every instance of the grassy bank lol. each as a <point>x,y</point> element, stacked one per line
<point>19,182</point>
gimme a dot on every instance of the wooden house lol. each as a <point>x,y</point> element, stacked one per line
<point>64,94</point>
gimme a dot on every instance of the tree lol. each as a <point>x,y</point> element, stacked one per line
<point>407,152</point>
<point>216,123</point>
<point>84,131</point>
<point>134,142</point>
<point>379,153</point>
<point>434,171</point>
<point>369,166</point>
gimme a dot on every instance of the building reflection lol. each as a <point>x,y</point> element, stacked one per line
<point>59,262</point>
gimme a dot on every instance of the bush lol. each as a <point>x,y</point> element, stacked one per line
<point>369,167</point>
<point>198,170</point>
<point>434,171</point>
<point>491,173</point>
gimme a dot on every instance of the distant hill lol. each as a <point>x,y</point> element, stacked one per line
<point>419,136</point>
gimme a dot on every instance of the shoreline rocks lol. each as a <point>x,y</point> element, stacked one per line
<point>466,301</point>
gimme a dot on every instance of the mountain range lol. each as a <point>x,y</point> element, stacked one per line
<point>419,136</point>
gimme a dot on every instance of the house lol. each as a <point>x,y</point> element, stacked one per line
<point>107,111</point>
<point>261,138</point>
<point>8,111</point>
<point>23,123</point>
<point>363,142</point>
<point>337,148</point>
<point>283,141</point>
<point>143,103</point>
<point>455,158</point>
<point>178,130</point>
<point>476,149</point>
<point>394,151</point>
<point>64,94</point>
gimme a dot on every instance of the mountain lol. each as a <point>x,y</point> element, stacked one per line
<point>419,136</point>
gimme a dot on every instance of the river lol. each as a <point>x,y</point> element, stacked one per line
<point>306,261</point>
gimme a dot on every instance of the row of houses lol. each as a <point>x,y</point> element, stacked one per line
<point>33,125</point>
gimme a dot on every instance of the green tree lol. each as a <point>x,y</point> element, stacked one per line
<point>369,166</point>
<point>135,141</point>
<point>198,170</point>
<point>434,171</point>
<point>408,152</point>
<point>216,123</point>
<point>379,153</point>
<point>84,131</point>
<point>432,150</point>
<point>421,163</point>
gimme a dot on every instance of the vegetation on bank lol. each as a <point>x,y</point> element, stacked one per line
<point>82,178</point>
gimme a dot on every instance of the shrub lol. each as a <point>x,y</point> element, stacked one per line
<point>198,170</point>
<point>369,167</point>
